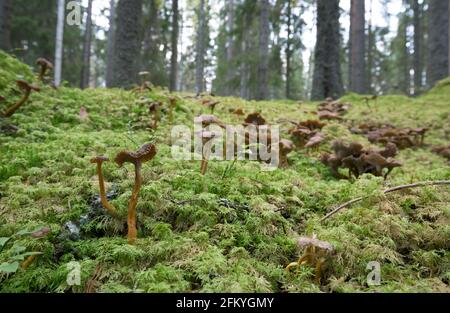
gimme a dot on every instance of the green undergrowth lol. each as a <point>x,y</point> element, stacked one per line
<point>218,233</point>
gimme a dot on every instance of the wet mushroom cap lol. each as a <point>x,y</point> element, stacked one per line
<point>26,86</point>
<point>255,119</point>
<point>44,63</point>
<point>304,242</point>
<point>144,154</point>
<point>99,159</point>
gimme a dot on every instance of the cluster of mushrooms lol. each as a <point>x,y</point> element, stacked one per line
<point>27,88</point>
<point>384,134</point>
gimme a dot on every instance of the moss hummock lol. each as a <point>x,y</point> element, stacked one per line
<point>209,233</point>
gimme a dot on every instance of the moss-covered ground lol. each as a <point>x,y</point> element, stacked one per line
<point>214,233</point>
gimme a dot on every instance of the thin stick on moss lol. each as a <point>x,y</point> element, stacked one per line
<point>387,191</point>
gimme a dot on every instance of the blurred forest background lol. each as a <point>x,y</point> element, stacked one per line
<point>254,49</point>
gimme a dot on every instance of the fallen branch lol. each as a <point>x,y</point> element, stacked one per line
<point>387,191</point>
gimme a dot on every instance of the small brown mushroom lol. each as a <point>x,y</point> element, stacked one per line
<point>45,67</point>
<point>144,154</point>
<point>207,120</point>
<point>101,181</point>
<point>255,119</point>
<point>206,136</point>
<point>154,111</point>
<point>316,253</point>
<point>210,104</point>
<point>239,111</point>
<point>27,89</point>
<point>286,147</point>
<point>315,141</point>
<point>172,105</point>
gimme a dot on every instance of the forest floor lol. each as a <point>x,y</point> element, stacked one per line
<point>215,233</point>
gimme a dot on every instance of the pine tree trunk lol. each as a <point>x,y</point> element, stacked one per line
<point>174,57</point>
<point>327,81</point>
<point>288,49</point>
<point>357,47</point>
<point>59,42</point>
<point>405,61</point>
<point>417,47</point>
<point>264,36</point>
<point>438,42</point>
<point>127,44</point>
<point>86,64</point>
<point>5,25</point>
<point>370,49</point>
<point>110,48</point>
<point>200,55</point>
<point>230,29</point>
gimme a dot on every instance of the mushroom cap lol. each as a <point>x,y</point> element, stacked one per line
<point>2,98</point>
<point>99,159</point>
<point>286,146</point>
<point>44,63</point>
<point>144,154</point>
<point>26,86</point>
<point>315,141</point>
<point>207,120</point>
<point>313,124</point>
<point>255,119</point>
<point>154,106</point>
<point>239,111</point>
<point>304,242</point>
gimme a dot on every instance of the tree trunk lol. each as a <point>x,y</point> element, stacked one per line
<point>59,41</point>
<point>127,44</point>
<point>417,47</point>
<point>327,81</point>
<point>370,49</point>
<point>288,49</point>
<point>230,30</point>
<point>174,57</point>
<point>200,55</point>
<point>86,64</point>
<point>264,36</point>
<point>5,25</point>
<point>110,48</point>
<point>438,42</point>
<point>357,47</point>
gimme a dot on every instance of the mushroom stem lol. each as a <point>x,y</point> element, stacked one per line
<point>101,181</point>
<point>132,230</point>
<point>205,158</point>
<point>9,112</point>
<point>155,120</point>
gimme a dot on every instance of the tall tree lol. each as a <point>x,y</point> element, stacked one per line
<point>110,47</point>
<point>174,57</point>
<point>264,36</point>
<point>288,48</point>
<point>59,42</point>
<point>5,24</point>
<point>230,50</point>
<point>438,45</point>
<point>327,81</point>
<point>127,43</point>
<point>357,66</point>
<point>86,64</point>
<point>417,17</point>
<point>200,49</point>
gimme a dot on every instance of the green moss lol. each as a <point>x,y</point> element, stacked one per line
<point>208,234</point>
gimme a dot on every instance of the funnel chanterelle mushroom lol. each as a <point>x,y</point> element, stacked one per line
<point>27,89</point>
<point>45,67</point>
<point>316,253</point>
<point>144,154</point>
